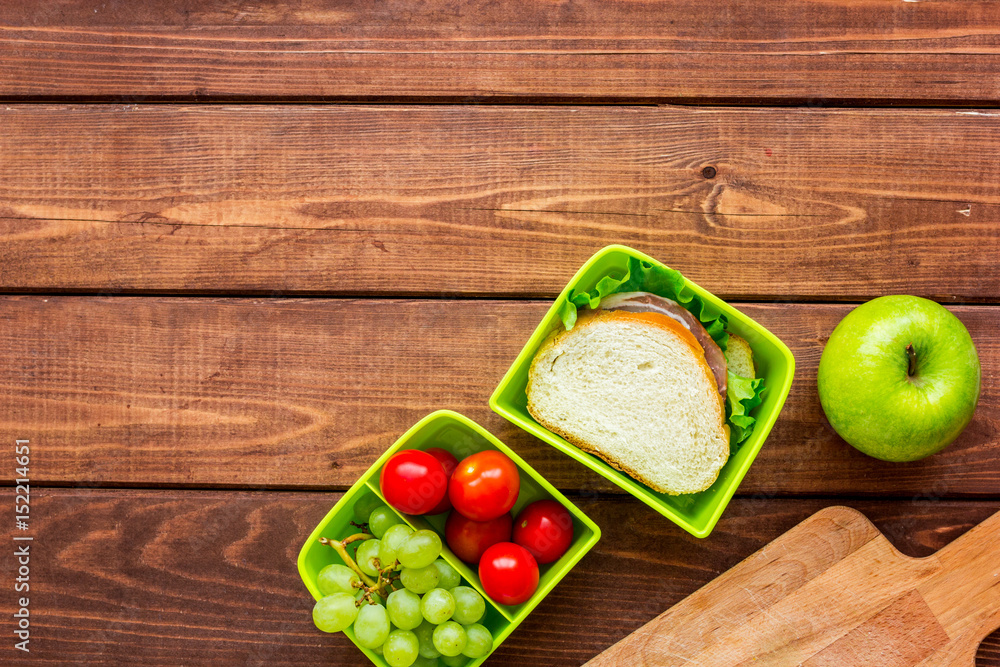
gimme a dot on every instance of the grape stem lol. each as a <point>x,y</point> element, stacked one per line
<point>386,576</point>
<point>340,546</point>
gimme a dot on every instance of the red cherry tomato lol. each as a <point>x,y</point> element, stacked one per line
<point>545,528</point>
<point>446,458</point>
<point>469,539</point>
<point>484,485</point>
<point>449,463</point>
<point>413,481</point>
<point>509,573</point>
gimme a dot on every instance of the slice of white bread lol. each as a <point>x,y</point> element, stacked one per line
<point>739,357</point>
<point>635,390</point>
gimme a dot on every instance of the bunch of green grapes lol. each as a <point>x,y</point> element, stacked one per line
<point>422,617</point>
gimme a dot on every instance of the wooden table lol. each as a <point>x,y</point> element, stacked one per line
<point>246,245</point>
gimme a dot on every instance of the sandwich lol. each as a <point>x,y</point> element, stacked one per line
<point>639,382</point>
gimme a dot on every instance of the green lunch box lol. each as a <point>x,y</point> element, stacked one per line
<point>462,437</point>
<point>696,513</point>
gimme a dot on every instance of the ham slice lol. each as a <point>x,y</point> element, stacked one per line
<point>645,302</point>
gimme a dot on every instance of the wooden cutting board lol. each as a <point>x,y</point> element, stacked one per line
<point>832,591</point>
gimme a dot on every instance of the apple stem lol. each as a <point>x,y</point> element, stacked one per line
<point>912,357</point>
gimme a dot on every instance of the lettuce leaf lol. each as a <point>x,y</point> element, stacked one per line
<point>742,396</point>
<point>645,277</point>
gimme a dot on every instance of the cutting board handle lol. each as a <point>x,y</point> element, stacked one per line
<point>965,593</point>
<point>985,535</point>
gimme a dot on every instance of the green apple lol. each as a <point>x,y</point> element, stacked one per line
<point>899,378</point>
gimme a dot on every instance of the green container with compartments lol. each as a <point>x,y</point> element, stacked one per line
<point>462,437</point>
<point>696,513</point>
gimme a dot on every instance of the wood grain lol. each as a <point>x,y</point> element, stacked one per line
<point>902,634</point>
<point>208,577</point>
<point>859,51</point>
<point>307,393</point>
<point>428,200</point>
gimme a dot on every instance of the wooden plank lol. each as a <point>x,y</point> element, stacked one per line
<point>863,51</point>
<point>841,204</point>
<point>208,577</point>
<point>307,393</point>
